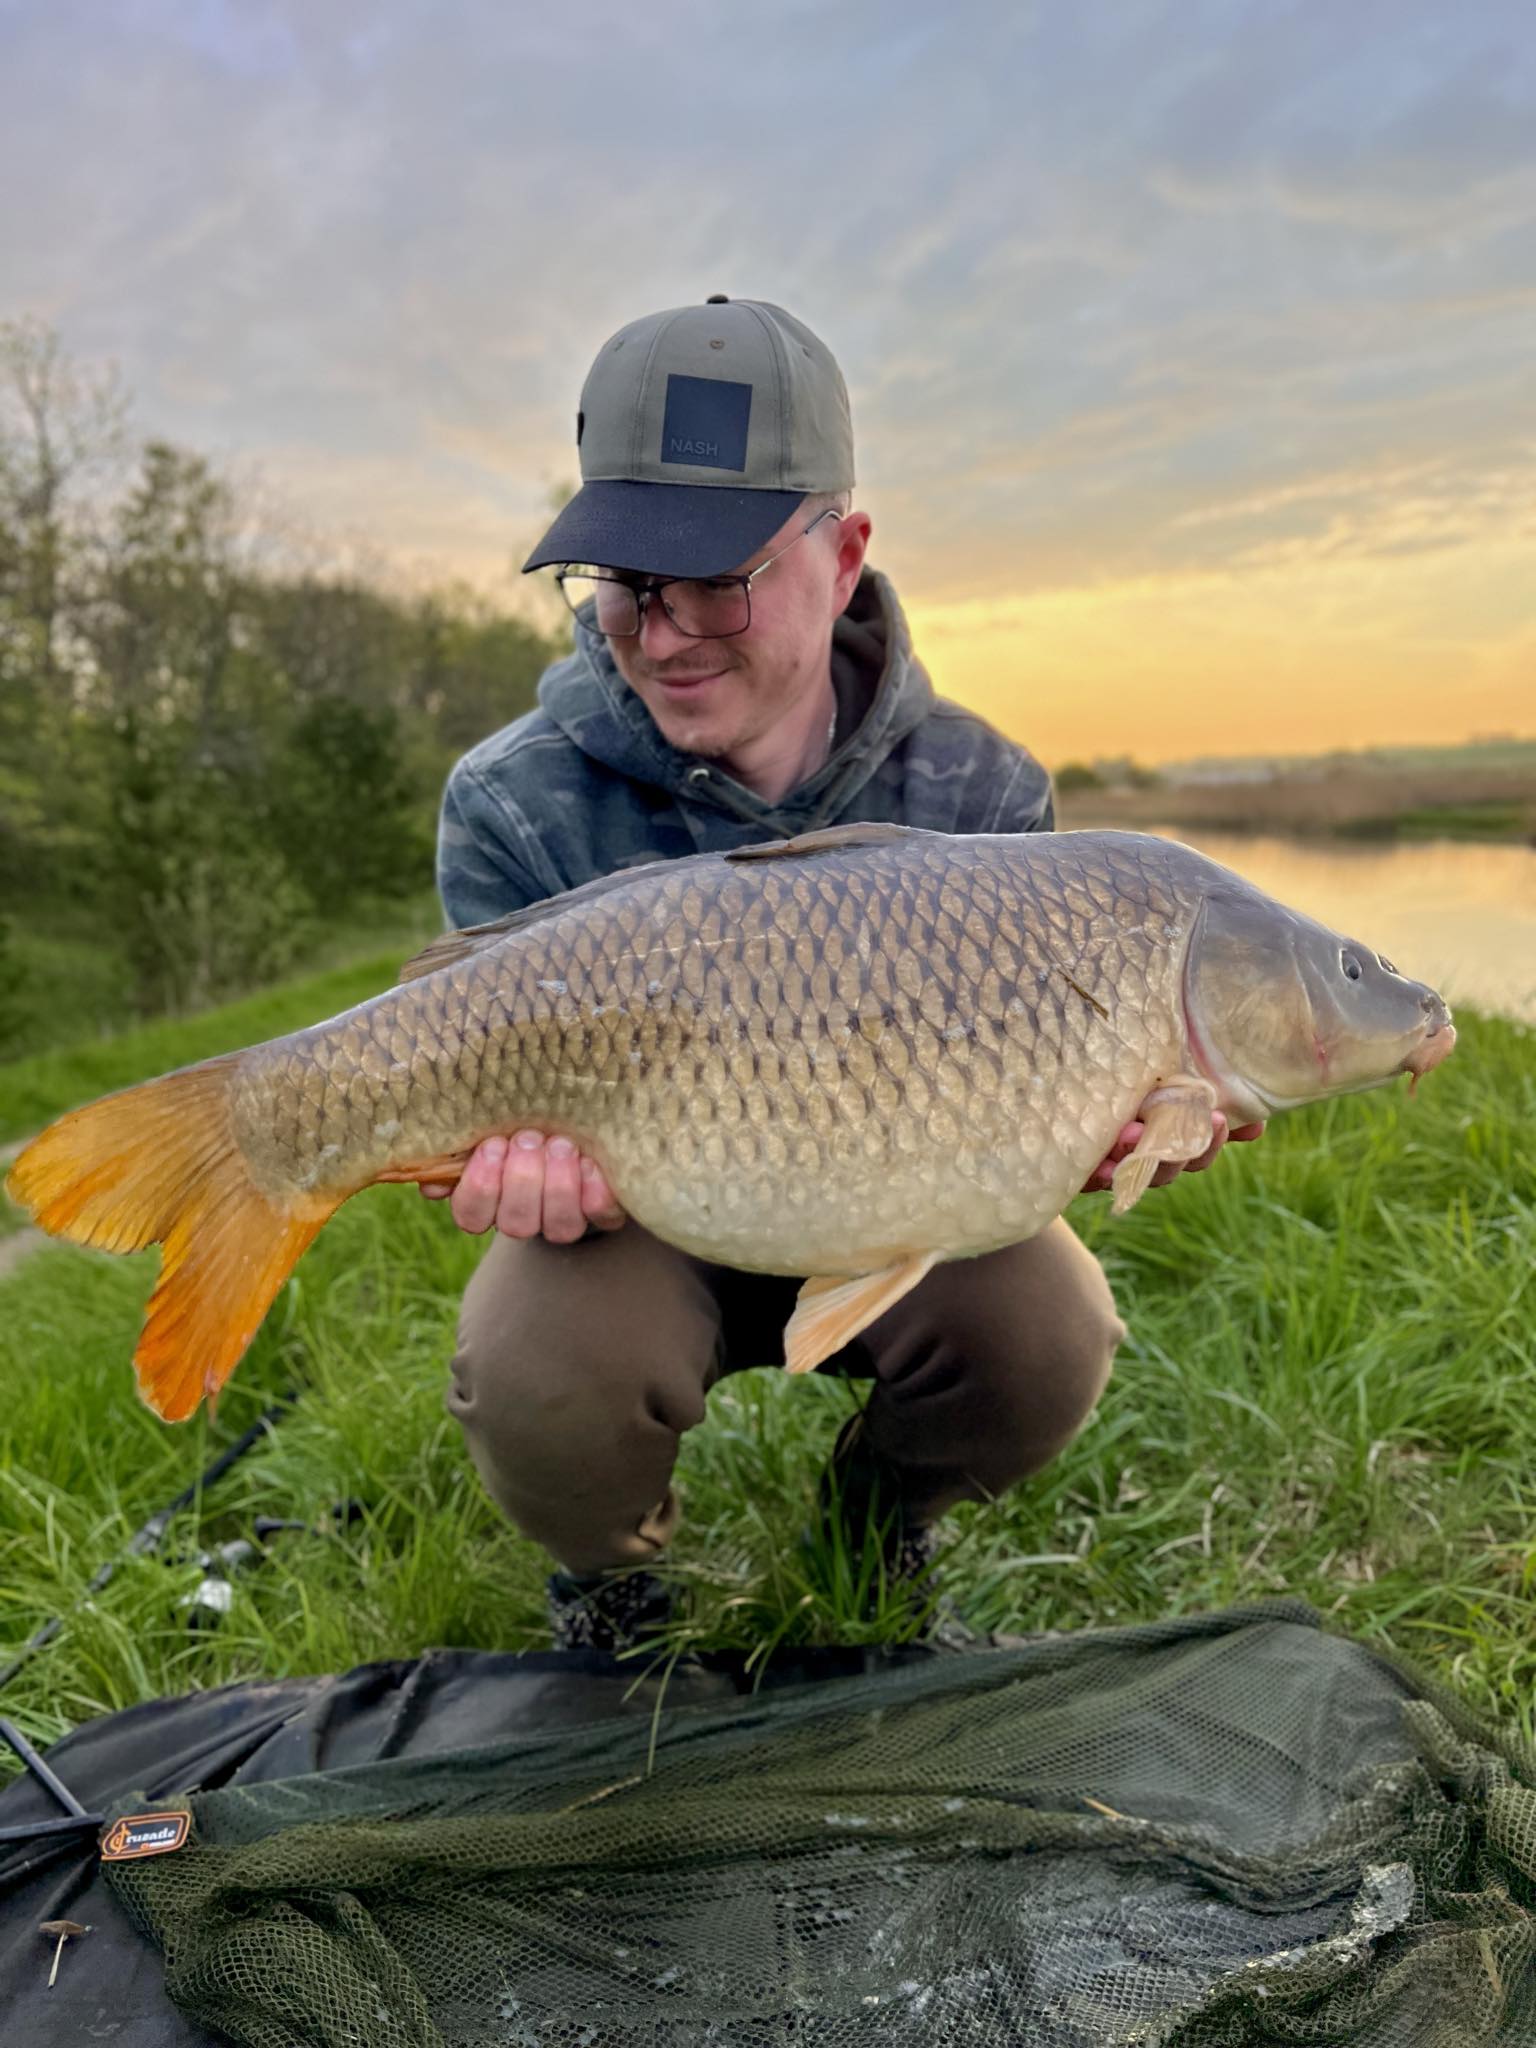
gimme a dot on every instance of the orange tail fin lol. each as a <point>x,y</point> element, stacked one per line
<point>157,1164</point>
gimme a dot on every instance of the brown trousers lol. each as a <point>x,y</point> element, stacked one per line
<point>579,1367</point>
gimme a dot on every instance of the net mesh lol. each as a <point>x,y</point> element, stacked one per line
<point>1212,1834</point>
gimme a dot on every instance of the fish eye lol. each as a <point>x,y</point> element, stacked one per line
<point>1351,966</point>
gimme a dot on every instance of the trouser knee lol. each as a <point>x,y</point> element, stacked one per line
<point>573,1405</point>
<point>992,1375</point>
<point>1036,1422</point>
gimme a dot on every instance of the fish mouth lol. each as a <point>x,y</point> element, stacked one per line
<point>1432,1048</point>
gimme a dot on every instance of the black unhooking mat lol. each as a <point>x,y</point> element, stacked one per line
<point>1202,1834</point>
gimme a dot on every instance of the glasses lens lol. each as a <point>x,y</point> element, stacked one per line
<point>617,611</point>
<point>708,608</point>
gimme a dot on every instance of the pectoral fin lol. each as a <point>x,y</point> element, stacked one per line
<point>1178,1119</point>
<point>446,1170</point>
<point>831,1311</point>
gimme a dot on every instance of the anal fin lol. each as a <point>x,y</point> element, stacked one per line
<point>831,1310</point>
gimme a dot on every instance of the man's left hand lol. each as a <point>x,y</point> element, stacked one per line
<point>1103,1174</point>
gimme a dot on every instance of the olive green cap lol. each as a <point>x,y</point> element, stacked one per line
<point>700,430</point>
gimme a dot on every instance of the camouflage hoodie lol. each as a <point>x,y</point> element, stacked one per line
<point>586,784</point>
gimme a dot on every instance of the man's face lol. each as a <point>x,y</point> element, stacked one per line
<point>713,697</point>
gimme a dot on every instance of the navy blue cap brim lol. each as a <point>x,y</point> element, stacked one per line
<point>663,529</point>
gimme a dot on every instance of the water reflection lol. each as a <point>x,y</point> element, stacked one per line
<point>1458,916</point>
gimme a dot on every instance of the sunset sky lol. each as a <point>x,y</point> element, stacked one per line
<point>1191,343</point>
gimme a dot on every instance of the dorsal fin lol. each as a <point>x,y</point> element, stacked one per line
<point>475,938</point>
<point>830,839</point>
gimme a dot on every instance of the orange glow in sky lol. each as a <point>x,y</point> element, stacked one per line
<point>1294,660</point>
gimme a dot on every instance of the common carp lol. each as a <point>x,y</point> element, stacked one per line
<point>843,1056</point>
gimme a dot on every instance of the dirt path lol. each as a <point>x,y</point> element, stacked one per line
<point>19,1245</point>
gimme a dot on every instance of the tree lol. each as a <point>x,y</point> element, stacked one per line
<point>60,430</point>
<point>344,807</point>
<point>184,748</point>
<point>165,594</point>
<point>13,977</point>
<point>59,426</point>
<point>206,752</point>
<point>473,669</point>
<point>184,871</point>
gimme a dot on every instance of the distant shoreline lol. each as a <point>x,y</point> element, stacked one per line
<point>1485,806</point>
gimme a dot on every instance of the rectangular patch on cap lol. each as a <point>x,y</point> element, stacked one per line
<point>706,422</point>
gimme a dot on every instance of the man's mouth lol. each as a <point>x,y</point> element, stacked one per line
<point>688,679</point>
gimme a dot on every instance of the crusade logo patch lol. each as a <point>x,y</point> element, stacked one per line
<point>706,422</point>
<point>144,1834</point>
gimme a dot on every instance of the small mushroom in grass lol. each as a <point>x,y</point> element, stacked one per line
<point>65,1930</point>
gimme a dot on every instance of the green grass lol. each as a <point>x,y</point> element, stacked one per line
<point>1329,1390</point>
<point>355,961</point>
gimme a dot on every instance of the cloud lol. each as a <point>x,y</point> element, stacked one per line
<point>1128,293</point>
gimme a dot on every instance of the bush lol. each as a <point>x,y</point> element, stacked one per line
<point>200,901</point>
<point>13,978</point>
<point>343,808</point>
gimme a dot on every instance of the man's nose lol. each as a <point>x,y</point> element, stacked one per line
<point>659,638</point>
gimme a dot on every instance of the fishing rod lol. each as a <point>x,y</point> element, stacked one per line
<point>148,1538</point>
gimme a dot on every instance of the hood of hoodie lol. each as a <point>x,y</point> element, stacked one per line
<point>595,708</point>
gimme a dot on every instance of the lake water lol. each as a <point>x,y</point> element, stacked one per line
<point>1461,917</point>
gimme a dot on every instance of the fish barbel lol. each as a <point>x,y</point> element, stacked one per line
<point>843,1056</point>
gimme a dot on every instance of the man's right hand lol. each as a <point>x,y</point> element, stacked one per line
<point>530,1186</point>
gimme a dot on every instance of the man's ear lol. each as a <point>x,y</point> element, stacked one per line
<point>852,546</point>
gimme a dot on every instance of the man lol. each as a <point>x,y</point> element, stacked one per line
<point>739,675</point>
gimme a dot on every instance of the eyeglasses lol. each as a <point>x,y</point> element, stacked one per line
<point>700,607</point>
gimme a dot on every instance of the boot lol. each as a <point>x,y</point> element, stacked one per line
<point>611,1611</point>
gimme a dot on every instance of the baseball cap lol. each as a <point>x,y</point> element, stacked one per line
<point>700,430</point>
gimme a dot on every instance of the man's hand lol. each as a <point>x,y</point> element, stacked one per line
<point>1103,1174</point>
<point>530,1186</point>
